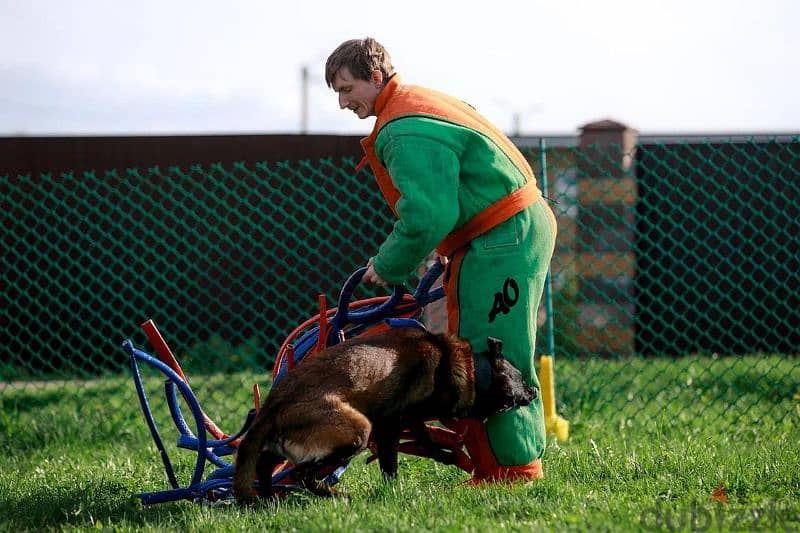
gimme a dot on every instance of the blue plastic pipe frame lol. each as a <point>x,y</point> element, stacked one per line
<point>217,485</point>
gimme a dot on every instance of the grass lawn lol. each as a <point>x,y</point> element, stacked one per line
<point>650,441</point>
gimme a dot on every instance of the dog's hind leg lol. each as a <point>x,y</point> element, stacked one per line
<point>339,435</point>
<point>311,475</point>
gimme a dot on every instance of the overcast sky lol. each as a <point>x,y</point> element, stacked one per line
<point>160,66</point>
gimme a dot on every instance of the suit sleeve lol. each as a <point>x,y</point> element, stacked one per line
<point>425,171</point>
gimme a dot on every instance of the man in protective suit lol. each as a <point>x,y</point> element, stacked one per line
<point>457,184</point>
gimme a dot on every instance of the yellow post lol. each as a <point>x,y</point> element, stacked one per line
<point>553,424</point>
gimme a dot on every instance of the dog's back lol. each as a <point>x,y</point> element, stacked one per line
<point>379,375</point>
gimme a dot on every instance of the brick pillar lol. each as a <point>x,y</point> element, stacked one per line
<point>605,239</point>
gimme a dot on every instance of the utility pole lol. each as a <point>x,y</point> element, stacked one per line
<point>517,120</point>
<point>304,103</point>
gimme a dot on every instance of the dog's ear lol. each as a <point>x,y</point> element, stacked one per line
<point>495,348</point>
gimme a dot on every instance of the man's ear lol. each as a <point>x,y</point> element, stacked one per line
<point>377,77</point>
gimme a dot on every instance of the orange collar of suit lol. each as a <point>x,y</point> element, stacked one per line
<point>396,101</point>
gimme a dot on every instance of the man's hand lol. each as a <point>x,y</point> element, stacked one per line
<point>371,277</point>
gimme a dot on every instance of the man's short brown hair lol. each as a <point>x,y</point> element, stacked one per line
<point>361,57</point>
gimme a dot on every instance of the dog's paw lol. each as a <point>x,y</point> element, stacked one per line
<point>320,488</point>
<point>247,500</point>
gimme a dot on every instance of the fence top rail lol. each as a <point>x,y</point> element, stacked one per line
<point>572,141</point>
<point>784,137</point>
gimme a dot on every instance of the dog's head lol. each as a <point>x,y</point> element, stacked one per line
<point>499,386</point>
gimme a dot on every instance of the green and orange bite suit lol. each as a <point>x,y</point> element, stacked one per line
<point>458,184</point>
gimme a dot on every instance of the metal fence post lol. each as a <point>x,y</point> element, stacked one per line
<point>548,285</point>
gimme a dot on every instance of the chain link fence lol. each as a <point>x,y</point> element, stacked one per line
<point>684,252</point>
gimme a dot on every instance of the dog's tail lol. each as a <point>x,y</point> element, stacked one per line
<point>247,456</point>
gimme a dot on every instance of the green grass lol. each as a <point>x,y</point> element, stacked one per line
<point>647,439</point>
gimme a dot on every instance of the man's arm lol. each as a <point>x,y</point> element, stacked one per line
<point>425,171</point>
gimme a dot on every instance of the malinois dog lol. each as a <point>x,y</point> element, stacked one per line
<point>323,412</point>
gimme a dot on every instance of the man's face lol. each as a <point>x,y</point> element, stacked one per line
<point>356,95</point>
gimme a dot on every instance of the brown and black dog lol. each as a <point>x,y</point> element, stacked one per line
<point>324,411</point>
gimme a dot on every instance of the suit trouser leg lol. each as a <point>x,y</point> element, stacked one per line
<point>494,287</point>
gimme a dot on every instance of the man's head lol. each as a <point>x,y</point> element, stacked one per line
<point>357,70</point>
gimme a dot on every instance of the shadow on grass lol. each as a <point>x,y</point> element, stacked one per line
<point>83,505</point>
<point>33,397</point>
<point>775,388</point>
<point>703,386</point>
<point>105,503</point>
<point>86,426</point>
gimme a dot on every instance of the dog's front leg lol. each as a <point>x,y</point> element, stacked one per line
<point>386,436</point>
<point>267,462</point>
